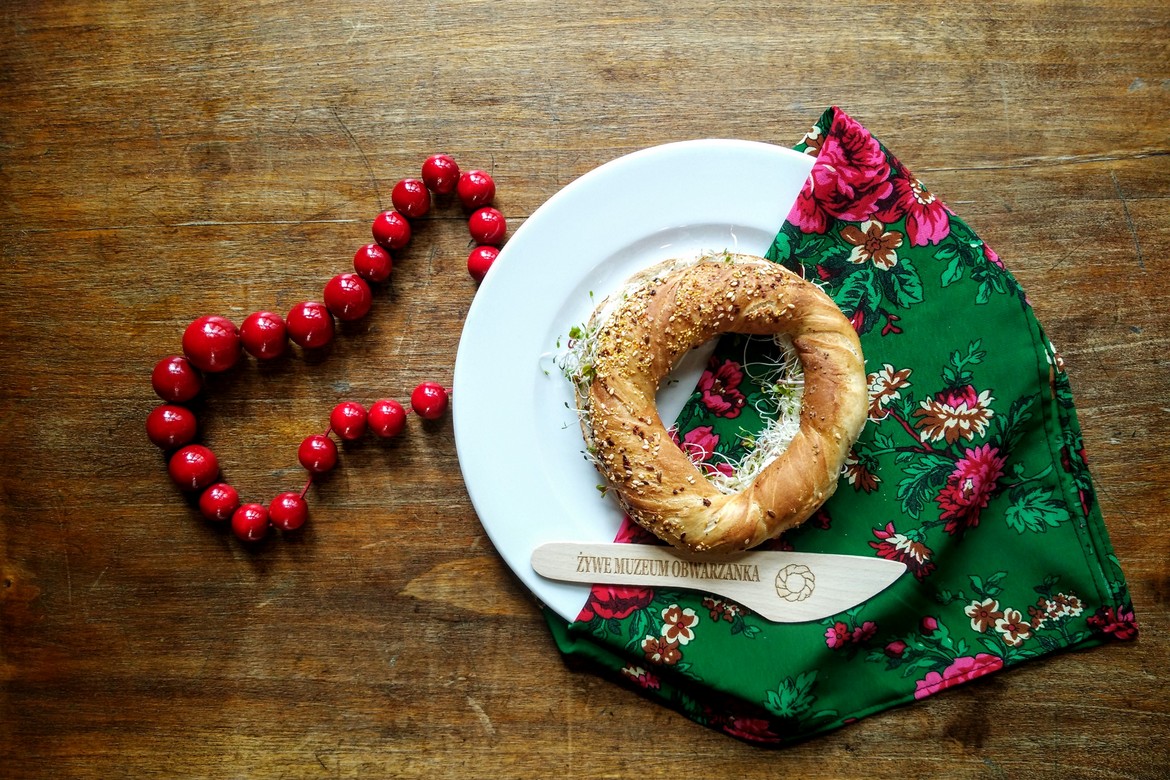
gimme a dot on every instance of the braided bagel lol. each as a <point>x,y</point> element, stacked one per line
<point>638,338</point>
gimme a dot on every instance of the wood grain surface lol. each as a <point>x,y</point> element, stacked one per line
<point>160,161</point>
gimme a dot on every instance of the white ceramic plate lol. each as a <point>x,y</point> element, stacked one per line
<point>519,444</point>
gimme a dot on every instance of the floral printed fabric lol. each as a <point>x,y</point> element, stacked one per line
<point>971,471</point>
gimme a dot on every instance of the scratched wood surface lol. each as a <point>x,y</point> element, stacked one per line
<point>159,161</point>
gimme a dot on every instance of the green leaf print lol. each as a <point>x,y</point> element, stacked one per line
<point>1035,509</point>
<point>954,270</point>
<point>1011,424</point>
<point>925,474</point>
<point>902,285</point>
<point>958,372</point>
<point>794,698</point>
<point>781,248</point>
<point>857,290</point>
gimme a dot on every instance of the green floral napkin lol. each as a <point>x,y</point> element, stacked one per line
<point>971,471</point>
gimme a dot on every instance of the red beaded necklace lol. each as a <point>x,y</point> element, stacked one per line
<point>213,344</point>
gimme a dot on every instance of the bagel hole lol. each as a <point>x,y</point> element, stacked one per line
<point>755,381</point>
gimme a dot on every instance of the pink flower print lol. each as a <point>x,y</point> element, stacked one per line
<point>699,443</point>
<point>895,546</point>
<point>678,624</point>
<point>848,180</point>
<point>641,677</point>
<point>992,257</point>
<point>632,533</point>
<point>961,671</point>
<point>895,649</point>
<point>1119,623</point>
<point>751,729</point>
<point>969,488</point>
<point>928,624</point>
<point>724,468</point>
<point>865,632</point>
<point>838,635</point>
<point>615,602</point>
<point>719,386</point>
<point>927,219</point>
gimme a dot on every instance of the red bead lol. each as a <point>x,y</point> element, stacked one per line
<point>440,173</point>
<point>170,426</point>
<point>288,511</point>
<point>429,400</point>
<point>175,379</point>
<point>264,335</point>
<point>310,324</point>
<point>391,230</point>
<point>317,453</point>
<point>480,260</point>
<point>348,420</point>
<point>348,297</point>
<point>410,197</point>
<point>212,343</point>
<point>218,502</point>
<point>373,263</point>
<point>387,418</point>
<point>194,467</point>
<point>250,522</point>
<point>487,226</point>
<point>475,189</point>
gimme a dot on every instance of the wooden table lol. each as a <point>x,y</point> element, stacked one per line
<point>160,161</point>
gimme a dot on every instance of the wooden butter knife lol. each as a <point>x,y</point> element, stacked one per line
<point>784,587</point>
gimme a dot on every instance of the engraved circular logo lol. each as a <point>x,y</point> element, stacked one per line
<point>795,582</point>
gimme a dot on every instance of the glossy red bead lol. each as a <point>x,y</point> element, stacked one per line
<point>219,502</point>
<point>348,297</point>
<point>391,230</point>
<point>440,173</point>
<point>310,324</point>
<point>373,263</point>
<point>317,453</point>
<point>487,226</point>
<point>475,189</point>
<point>171,426</point>
<point>175,379</point>
<point>288,511</point>
<point>348,420</point>
<point>410,197</point>
<point>387,418</point>
<point>264,335</point>
<point>212,343</point>
<point>429,400</point>
<point>194,467</point>
<point>480,261</point>
<point>250,522</point>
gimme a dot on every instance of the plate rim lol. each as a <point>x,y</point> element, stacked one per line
<point>560,596</point>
